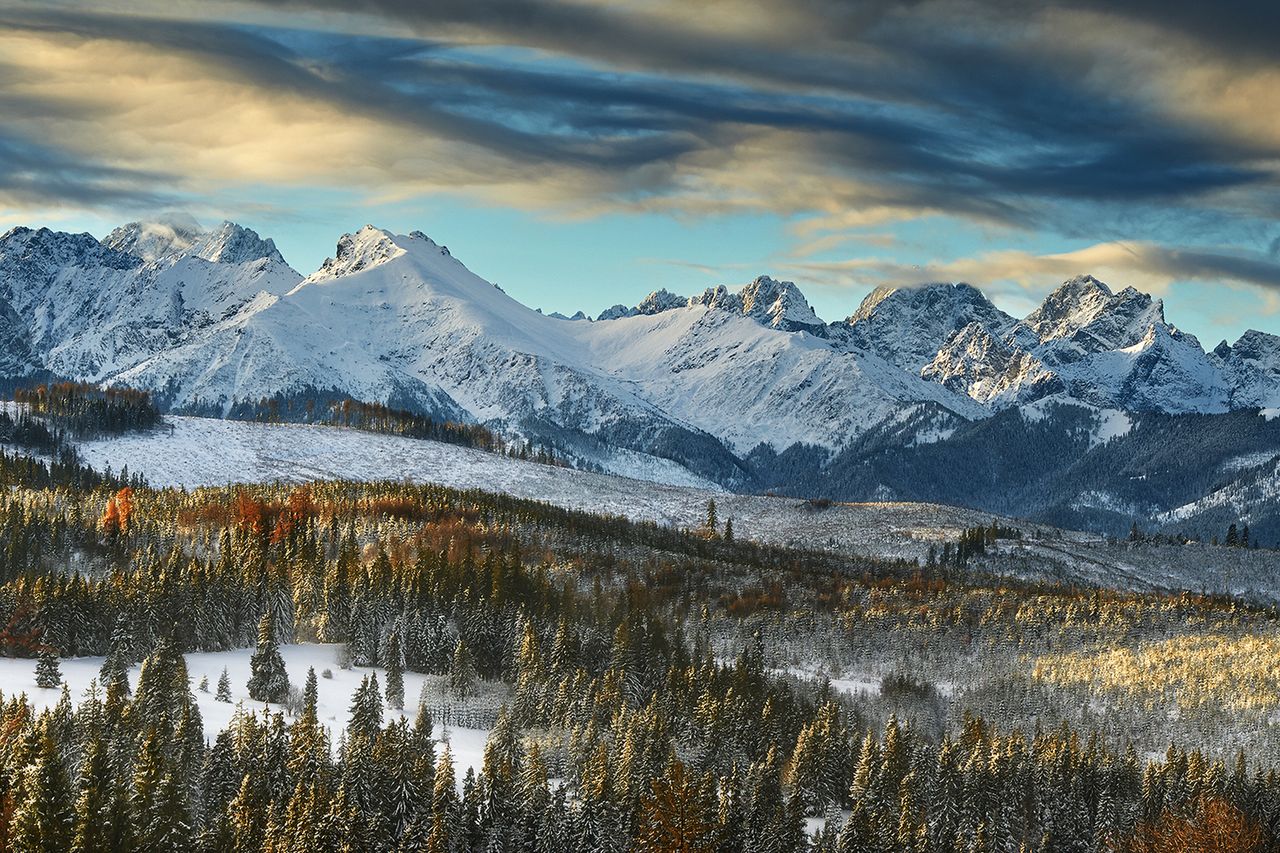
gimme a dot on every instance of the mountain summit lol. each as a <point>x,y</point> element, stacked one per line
<point>214,320</point>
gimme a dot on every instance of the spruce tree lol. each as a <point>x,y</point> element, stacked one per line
<point>395,672</point>
<point>43,819</point>
<point>48,674</point>
<point>310,695</point>
<point>92,823</point>
<point>444,835</point>
<point>268,681</point>
<point>462,672</point>
<point>224,687</point>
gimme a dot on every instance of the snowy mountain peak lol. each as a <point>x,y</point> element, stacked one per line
<point>1088,317</point>
<point>779,304</point>
<point>367,248</point>
<point>935,295</point>
<point>660,300</point>
<point>908,325</point>
<point>230,243</point>
<point>41,250</point>
<point>168,236</point>
<point>1252,367</point>
<point>776,304</point>
<point>1074,305</point>
<point>174,236</point>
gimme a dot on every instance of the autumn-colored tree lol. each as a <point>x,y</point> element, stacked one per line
<point>1214,825</point>
<point>675,815</point>
<point>250,514</point>
<point>300,507</point>
<point>116,515</point>
<point>124,507</point>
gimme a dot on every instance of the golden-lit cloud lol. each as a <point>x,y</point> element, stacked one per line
<point>1148,267</point>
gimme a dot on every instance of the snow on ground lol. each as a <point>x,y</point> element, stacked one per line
<point>17,675</point>
<point>1268,414</point>
<point>205,451</point>
<point>1112,423</point>
<point>853,685</point>
<point>1250,460</point>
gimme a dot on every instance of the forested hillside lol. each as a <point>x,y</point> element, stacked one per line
<point>655,689</point>
<point>1067,465</point>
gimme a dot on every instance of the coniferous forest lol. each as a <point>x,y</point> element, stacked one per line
<point>643,688</point>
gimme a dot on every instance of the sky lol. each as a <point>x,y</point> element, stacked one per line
<point>582,154</point>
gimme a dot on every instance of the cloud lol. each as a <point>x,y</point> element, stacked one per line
<point>1147,266</point>
<point>41,174</point>
<point>848,114</point>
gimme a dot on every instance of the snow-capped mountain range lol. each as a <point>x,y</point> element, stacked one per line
<point>210,320</point>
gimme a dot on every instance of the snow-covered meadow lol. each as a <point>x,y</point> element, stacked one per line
<point>17,676</point>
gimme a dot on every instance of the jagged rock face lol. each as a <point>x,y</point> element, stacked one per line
<point>779,305</point>
<point>982,366</point>
<point>92,309</point>
<point>616,312</point>
<point>1078,302</point>
<point>659,301</point>
<point>169,235</point>
<point>178,236</point>
<point>1115,350</point>
<point>908,326</point>
<point>1252,368</point>
<point>776,304</point>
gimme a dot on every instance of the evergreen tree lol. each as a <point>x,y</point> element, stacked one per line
<point>712,522</point>
<point>395,671</point>
<point>445,830</point>
<point>462,672</point>
<point>42,821</point>
<point>268,682</point>
<point>48,674</point>
<point>224,687</point>
<point>728,530</point>
<point>159,808</point>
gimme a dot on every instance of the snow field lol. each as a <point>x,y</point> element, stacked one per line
<point>17,675</point>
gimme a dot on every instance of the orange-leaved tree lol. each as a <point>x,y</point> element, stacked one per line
<point>116,515</point>
<point>1214,824</point>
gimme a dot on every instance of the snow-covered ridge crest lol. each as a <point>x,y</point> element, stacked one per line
<point>174,236</point>
<point>777,304</point>
<point>367,248</point>
<point>213,319</point>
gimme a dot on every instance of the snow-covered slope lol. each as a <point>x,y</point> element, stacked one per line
<point>93,311</point>
<point>396,317</point>
<point>214,321</point>
<point>205,451</point>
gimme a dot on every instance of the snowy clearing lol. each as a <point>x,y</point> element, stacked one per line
<point>17,675</point>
